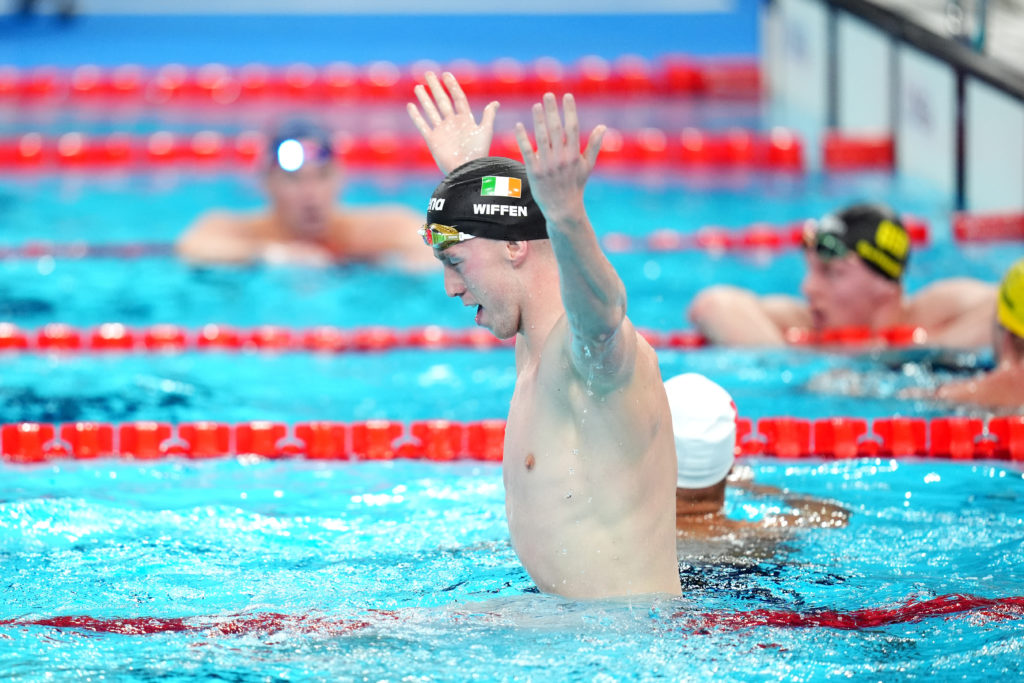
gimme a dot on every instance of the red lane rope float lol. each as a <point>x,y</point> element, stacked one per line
<point>758,236</point>
<point>837,438</point>
<point>988,227</point>
<point>672,75</point>
<point>779,150</point>
<point>166,338</point>
<point>844,152</point>
<point>268,623</point>
<point>437,440</point>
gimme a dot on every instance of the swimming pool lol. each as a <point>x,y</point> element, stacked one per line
<point>254,569</point>
<point>246,568</point>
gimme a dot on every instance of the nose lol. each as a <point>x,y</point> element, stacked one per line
<point>453,284</point>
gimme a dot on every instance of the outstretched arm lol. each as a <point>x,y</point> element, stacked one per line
<point>603,345</point>
<point>451,132</point>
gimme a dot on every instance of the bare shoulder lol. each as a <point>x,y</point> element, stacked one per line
<point>786,311</point>
<point>224,222</point>
<point>948,298</point>
<point>382,216</point>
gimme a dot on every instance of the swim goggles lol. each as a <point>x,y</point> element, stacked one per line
<point>821,236</point>
<point>441,237</point>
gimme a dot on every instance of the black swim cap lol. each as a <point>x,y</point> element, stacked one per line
<point>873,232</point>
<point>488,197</point>
<point>297,142</point>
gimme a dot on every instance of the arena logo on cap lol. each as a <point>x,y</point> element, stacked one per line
<point>500,186</point>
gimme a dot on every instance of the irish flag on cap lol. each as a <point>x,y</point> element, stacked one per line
<point>501,186</point>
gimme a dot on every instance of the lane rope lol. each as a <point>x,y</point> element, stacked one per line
<point>951,439</point>
<point>114,337</point>
<point>670,75</point>
<point>777,151</point>
<point>270,623</point>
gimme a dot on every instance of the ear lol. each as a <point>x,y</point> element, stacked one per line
<point>517,251</point>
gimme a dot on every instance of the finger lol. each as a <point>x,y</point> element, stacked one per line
<point>594,145</point>
<point>554,120</point>
<point>540,131</point>
<point>458,97</point>
<point>417,119</point>
<point>428,104</point>
<point>523,140</point>
<point>444,104</point>
<point>487,118</point>
<point>572,122</point>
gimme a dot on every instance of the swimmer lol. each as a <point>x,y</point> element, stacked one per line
<point>855,264</point>
<point>304,225</point>
<point>704,425</point>
<point>1001,388</point>
<point>589,461</point>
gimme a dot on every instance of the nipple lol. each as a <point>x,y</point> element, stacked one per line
<point>530,461</point>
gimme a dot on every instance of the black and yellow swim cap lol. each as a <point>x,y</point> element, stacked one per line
<point>871,231</point>
<point>1010,308</point>
<point>488,197</point>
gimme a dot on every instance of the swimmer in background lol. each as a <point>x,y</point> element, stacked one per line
<point>304,224</point>
<point>1003,386</point>
<point>704,425</point>
<point>855,263</point>
<point>589,465</point>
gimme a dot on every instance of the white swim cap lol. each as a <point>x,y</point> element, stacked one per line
<point>704,423</point>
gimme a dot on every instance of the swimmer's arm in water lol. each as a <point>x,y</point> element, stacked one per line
<point>809,511</point>
<point>447,124</point>
<point>603,345</point>
<point>732,316</point>
<point>226,238</point>
<point>218,237</point>
<point>395,241</point>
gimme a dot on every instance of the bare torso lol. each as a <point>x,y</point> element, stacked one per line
<point>590,479</point>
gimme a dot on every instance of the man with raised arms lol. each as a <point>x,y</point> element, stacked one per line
<point>589,464</point>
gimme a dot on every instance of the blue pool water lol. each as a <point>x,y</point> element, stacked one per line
<point>417,555</point>
<point>247,569</point>
<point>144,291</point>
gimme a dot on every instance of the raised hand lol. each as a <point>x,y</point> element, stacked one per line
<point>451,132</point>
<point>557,170</point>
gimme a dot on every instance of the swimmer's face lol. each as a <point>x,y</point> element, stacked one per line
<point>474,273</point>
<point>304,200</point>
<point>844,292</point>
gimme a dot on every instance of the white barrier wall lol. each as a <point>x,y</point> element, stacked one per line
<point>864,77</point>
<point>994,148</point>
<point>956,117</point>
<point>800,78</point>
<point>926,123</point>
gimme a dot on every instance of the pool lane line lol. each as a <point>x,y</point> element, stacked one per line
<point>269,623</point>
<point>948,439</point>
